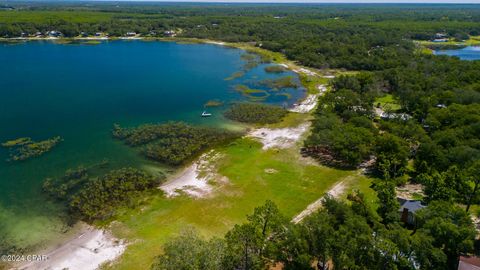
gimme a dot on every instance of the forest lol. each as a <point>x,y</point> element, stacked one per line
<point>430,136</point>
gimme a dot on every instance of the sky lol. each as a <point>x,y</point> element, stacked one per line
<point>328,1</point>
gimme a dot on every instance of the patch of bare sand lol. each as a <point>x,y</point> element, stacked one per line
<point>410,191</point>
<point>279,137</point>
<point>196,180</point>
<point>86,250</point>
<point>310,102</point>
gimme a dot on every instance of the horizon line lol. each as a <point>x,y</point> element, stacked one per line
<point>274,1</point>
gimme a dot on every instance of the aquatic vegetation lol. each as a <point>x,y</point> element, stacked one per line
<point>252,94</point>
<point>279,83</point>
<point>17,142</point>
<point>173,143</point>
<point>91,42</point>
<point>255,113</point>
<point>251,60</point>
<point>275,69</point>
<point>235,75</point>
<point>213,103</point>
<point>25,148</point>
<point>97,198</point>
<point>286,95</point>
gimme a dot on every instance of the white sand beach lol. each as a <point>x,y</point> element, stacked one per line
<point>280,137</point>
<point>196,179</point>
<point>86,250</point>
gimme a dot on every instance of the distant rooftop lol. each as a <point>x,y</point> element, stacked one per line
<point>411,205</point>
<point>469,263</point>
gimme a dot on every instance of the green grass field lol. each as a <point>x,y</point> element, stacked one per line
<point>294,184</point>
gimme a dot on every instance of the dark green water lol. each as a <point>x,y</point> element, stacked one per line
<point>78,92</point>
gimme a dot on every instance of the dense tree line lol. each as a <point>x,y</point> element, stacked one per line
<point>345,235</point>
<point>338,36</point>
<point>173,143</point>
<point>436,126</point>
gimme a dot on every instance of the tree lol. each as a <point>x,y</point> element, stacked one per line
<point>318,232</point>
<point>268,224</point>
<point>189,251</point>
<point>438,186</point>
<point>473,178</point>
<point>388,207</point>
<point>391,153</point>
<point>243,248</point>
<point>250,245</point>
<point>450,227</point>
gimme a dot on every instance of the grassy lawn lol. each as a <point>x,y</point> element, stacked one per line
<point>312,82</point>
<point>472,41</point>
<point>254,176</point>
<point>388,102</point>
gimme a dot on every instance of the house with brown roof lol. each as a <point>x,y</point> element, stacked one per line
<point>469,263</point>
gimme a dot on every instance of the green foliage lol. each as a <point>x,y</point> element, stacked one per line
<point>388,206</point>
<point>252,60</point>
<point>440,96</point>
<point>97,198</point>
<point>25,148</point>
<point>450,227</point>
<point>392,154</point>
<point>252,94</point>
<point>279,83</point>
<point>255,113</point>
<point>338,233</point>
<point>173,143</point>
<point>246,246</point>
<point>339,144</point>
<point>189,251</point>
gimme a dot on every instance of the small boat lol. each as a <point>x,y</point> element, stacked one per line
<point>205,114</point>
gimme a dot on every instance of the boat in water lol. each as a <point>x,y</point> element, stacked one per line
<point>205,114</point>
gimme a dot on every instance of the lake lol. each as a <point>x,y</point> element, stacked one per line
<point>78,91</point>
<point>467,53</point>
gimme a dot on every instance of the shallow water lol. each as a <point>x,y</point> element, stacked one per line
<point>467,53</point>
<point>79,91</point>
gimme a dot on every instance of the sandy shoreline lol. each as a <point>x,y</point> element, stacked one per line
<point>197,179</point>
<point>87,249</point>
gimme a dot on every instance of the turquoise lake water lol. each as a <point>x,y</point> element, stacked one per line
<point>467,53</point>
<point>79,91</point>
